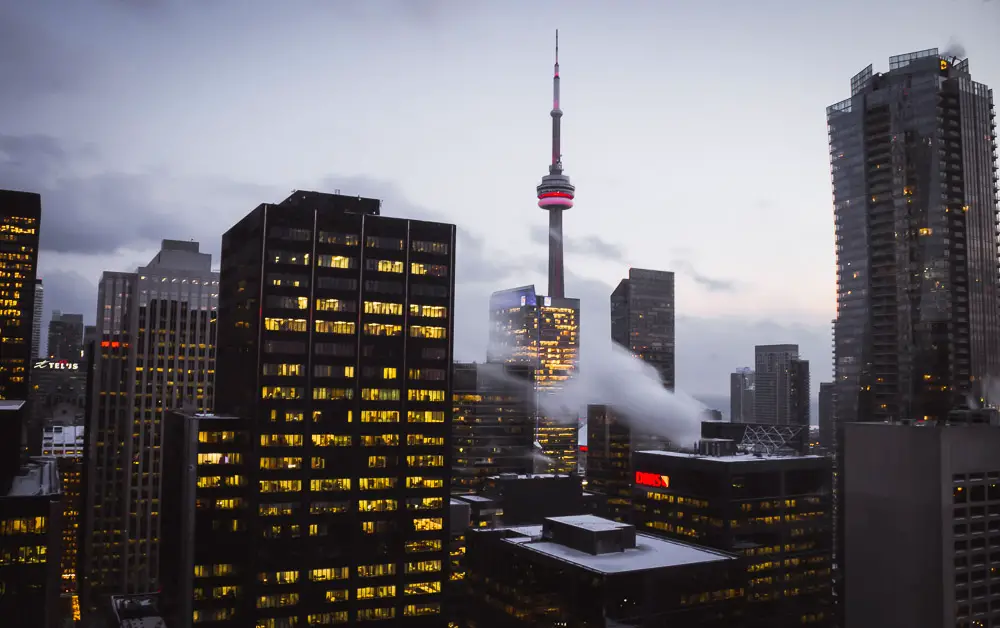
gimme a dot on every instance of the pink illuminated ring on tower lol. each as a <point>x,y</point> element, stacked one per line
<point>555,199</point>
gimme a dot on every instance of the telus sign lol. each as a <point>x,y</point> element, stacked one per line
<point>61,365</point>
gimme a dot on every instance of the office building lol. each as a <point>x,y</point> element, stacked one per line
<point>543,333</point>
<point>588,571</point>
<point>642,319</point>
<point>741,393</point>
<point>913,154</point>
<point>943,567</point>
<point>58,393</point>
<point>36,320</point>
<point>335,342</point>
<point>775,511</point>
<point>30,529</point>
<point>20,215</point>
<point>132,611</point>
<point>65,337</point>
<point>799,394</point>
<point>773,384</point>
<point>611,440</point>
<point>208,522</point>
<point>493,428</point>
<point>156,352</point>
<point>826,433</point>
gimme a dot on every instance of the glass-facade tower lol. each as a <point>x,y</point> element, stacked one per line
<point>642,319</point>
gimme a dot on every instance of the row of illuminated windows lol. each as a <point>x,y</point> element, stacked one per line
<point>298,370</point>
<point>301,258</point>
<point>23,525</point>
<point>368,394</point>
<point>215,481</point>
<point>23,555</point>
<point>299,234</point>
<point>348,327</point>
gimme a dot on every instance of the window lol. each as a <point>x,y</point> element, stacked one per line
<point>290,257</point>
<point>425,416</point>
<point>285,462</point>
<point>380,440</point>
<point>337,283</point>
<point>428,311</point>
<point>434,270</point>
<point>286,303</point>
<point>417,610</point>
<point>425,503</point>
<point>427,545</point>
<point>425,460</point>
<point>422,482</point>
<point>278,577</point>
<point>337,595</point>
<point>323,619</point>
<point>287,415</point>
<point>421,439</point>
<point>334,305</point>
<point>380,394</point>
<point>290,233</point>
<point>217,458</point>
<point>332,237</point>
<point>287,281</point>
<point>379,416</point>
<point>280,392</point>
<point>323,508</point>
<point>284,346</point>
<point>374,571</point>
<point>376,505</point>
<point>24,525</point>
<point>382,242</point>
<point>335,261</point>
<point>331,440</point>
<point>387,372</point>
<point>330,484</point>
<point>281,440</point>
<point>384,265</point>
<point>425,290</point>
<point>327,370</point>
<point>377,614</point>
<point>277,510</point>
<point>286,324</point>
<point>422,588</point>
<point>381,329</point>
<point>340,349</point>
<point>331,394</point>
<point>433,375</point>
<point>433,353</point>
<point>277,600</point>
<point>379,307</point>
<point>425,566</point>
<point>287,370</point>
<point>280,486</point>
<point>437,248</point>
<point>375,484</point>
<point>421,394</point>
<point>385,287</point>
<point>421,331</point>
<point>329,573</point>
<point>334,327</point>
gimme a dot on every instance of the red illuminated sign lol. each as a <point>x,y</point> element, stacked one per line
<point>652,479</point>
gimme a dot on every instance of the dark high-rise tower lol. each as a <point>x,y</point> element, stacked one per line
<point>20,214</point>
<point>773,387</point>
<point>642,319</point>
<point>65,336</point>
<point>555,194</point>
<point>913,155</point>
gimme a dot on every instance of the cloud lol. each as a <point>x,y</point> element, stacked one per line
<point>712,284</point>
<point>590,245</point>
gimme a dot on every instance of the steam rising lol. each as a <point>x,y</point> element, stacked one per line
<point>954,49</point>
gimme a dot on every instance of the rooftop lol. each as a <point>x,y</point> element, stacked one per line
<point>649,552</point>
<point>10,404</point>
<point>741,457</point>
<point>38,476</point>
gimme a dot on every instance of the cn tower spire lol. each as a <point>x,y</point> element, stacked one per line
<point>556,193</point>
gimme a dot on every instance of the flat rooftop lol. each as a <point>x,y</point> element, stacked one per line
<point>39,476</point>
<point>473,499</point>
<point>732,458</point>
<point>649,553</point>
<point>528,476</point>
<point>9,405</point>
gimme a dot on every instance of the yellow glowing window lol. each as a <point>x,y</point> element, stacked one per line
<point>289,257</point>
<point>334,305</point>
<point>425,416</point>
<point>330,394</point>
<point>425,503</point>
<point>203,482</point>
<point>380,416</point>
<point>424,524</point>
<point>369,593</point>
<point>329,573</point>
<point>280,392</point>
<point>277,510</point>
<point>330,484</point>
<point>926,231</point>
<point>378,462</point>
<point>376,505</point>
<point>281,440</point>
<point>379,307</point>
<point>283,369</point>
<point>334,595</point>
<point>375,484</point>
<point>331,440</point>
<point>334,327</point>
<point>375,571</point>
<point>425,461</point>
<point>277,600</point>
<point>317,463</point>
<point>419,610</point>
<point>380,394</point>
<point>280,486</point>
<point>286,415</point>
<point>382,329</point>
<point>388,372</point>
<point>422,439</point>
<point>423,331</point>
<point>422,588</point>
<point>278,577</point>
<point>428,311</point>
<point>385,265</point>
<point>422,394</point>
<point>216,437</point>
<point>286,324</point>
<point>332,237</point>
<point>229,504</point>
<point>334,261</point>
<point>323,619</point>
<point>428,545</point>
<point>423,566</point>
<point>422,482</point>
<point>24,525</point>
<point>380,440</point>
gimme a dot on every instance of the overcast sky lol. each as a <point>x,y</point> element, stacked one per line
<point>694,131</point>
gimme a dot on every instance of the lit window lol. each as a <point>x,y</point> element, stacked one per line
<point>332,237</point>
<point>330,394</point>
<point>421,394</point>
<point>434,270</point>
<point>382,329</point>
<point>280,392</point>
<point>374,484</point>
<point>334,327</point>
<point>330,484</point>
<point>286,324</point>
<point>334,305</point>
<point>422,331</point>
<point>422,588</point>
<point>331,440</point>
<point>384,265</point>
<point>334,261</point>
<point>281,440</point>
<point>379,307</point>
<point>425,416</point>
<point>329,573</point>
<point>376,505</point>
<point>425,460</point>
<point>380,394</point>
<point>290,370</point>
<point>380,416</point>
<point>280,486</point>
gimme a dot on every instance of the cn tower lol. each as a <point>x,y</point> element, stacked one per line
<point>555,194</point>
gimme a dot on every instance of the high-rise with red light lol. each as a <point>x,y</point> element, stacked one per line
<point>555,194</point>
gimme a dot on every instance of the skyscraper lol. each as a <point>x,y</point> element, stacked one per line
<point>335,344</point>
<point>773,384</point>
<point>543,333</point>
<point>826,390</point>
<point>642,319</point>
<point>799,393</point>
<point>156,352</point>
<point>741,393</point>
<point>913,155</point>
<point>20,214</point>
<point>65,336</point>
<point>36,320</point>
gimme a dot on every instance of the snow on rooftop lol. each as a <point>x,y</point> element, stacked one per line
<point>733,458</point>
<point>39,476</point>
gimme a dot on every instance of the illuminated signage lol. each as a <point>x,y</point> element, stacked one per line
<point>524,300</point>
<point>61,365</point>
<point>652,479</point>
<point>548,301</point>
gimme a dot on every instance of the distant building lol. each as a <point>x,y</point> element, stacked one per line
<point>65,337</point>
<point>543,333</point>
<point>775,511</point>
<point>36,320</point>
<point>493,427</point>
<point>741,390</point>
<point>30,542</point>
<point>799,394</point>
<point>773,385</point>
<point>826,432</point>
<point>58,394</point>
<point>527,499</point>
<point>913,153</point>
<point>156,353</point>
<point>940,569</point>
<point>588,571</point>
<point>134,611</point>
<point>642,319</point>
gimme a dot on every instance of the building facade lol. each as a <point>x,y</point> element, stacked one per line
<point>335,342</point>
<point>642,319</point>
<point>156,352</point>
<point>20,216</point>
<point>773,384</point>
<point>36,320</point>
<point>493,428</point>
<point>65,337</point>
<point>799,394</point>
<point>913,158</point>
<point>741,392</point>
<point>542,332</point>
<point>826,432</point>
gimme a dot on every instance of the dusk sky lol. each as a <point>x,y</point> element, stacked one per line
<point>695,134</point>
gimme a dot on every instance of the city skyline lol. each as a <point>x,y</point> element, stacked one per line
<point>483,109</point>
